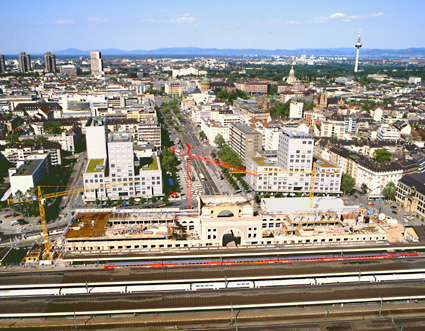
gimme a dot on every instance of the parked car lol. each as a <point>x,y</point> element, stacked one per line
<point>394,212</point>
<point>371,203</point>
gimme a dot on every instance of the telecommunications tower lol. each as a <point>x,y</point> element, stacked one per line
<point>358,45</point>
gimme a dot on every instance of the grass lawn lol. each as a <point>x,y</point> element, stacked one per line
<point>93,163</point>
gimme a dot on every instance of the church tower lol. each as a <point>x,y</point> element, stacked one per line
<point>324,97</point>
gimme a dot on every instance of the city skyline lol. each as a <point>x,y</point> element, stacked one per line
<point>141,25</point>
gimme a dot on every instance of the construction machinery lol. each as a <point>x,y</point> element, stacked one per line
<point>41,199</point>
<point>237,169</point>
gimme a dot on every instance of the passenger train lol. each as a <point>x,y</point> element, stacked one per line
<point>260,260</point>
<point>214,285</point>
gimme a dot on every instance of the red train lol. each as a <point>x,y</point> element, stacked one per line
<point>260,260</point>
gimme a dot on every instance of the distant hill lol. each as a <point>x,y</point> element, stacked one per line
<point>192,51</point>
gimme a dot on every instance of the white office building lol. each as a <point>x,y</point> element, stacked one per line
<point>295,151</point>
<point>114,162</point>
<point>296,109</point>
<point>291,170</point>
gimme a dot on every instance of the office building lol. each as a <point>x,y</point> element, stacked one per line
<point>291,170</point>
<point>2,64</point>
<point>295,150</point>
<point>245,141</point>
<point>24,62</point>
<point>112,160</point>
<point>96,63</point>
<point>49,62</point>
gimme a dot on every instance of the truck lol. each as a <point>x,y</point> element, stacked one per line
<point>201,177</point>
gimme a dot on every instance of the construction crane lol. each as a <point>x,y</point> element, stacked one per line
<point>41,199</point>
<point>236,169</point>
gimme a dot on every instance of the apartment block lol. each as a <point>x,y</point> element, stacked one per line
<point>296,109</point>
<point>388,132</point>
<point>333,128</point>
<point>212,129</point>
<point>245,141</point>
<point>17,154</point>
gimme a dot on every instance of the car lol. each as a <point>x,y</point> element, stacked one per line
<point>394,207</point>
<point>394,212</point>
<point>371,203</point>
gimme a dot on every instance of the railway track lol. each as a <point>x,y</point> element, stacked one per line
<point>101,304</point>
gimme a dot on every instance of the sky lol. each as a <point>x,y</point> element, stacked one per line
<point>40,26</point>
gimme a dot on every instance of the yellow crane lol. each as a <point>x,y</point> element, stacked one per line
<point>41,198</point>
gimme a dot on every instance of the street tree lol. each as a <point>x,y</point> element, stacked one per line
<point>97,202</point>
<point>219,140</point>
<point>364,188</point>
<point>108,202</point>
<point>142,200</point>
<point>168,159</point>
<point>131,201</point>
<point>202,135</point>
<point>389,191</point>
<point>154,199</point>
<point>119,202</point>
<point>347,183</point>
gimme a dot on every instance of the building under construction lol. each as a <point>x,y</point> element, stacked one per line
<point>116,231</point>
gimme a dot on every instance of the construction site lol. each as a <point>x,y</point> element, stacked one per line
<point>115,231</point>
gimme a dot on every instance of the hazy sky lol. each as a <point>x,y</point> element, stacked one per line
<point>40,26</point>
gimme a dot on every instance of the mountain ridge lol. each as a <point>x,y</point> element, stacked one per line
<point>193,51</point>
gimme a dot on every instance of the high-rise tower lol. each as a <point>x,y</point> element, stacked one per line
<point>2,64</point>
<point>24,62</point>
<point>96,63</point>
<point>49,62</point>
<point>358,45</point>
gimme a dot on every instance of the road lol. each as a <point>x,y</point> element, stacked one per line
<point>210,187</point>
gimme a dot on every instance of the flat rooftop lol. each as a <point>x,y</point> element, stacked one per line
<point>262,161</point>
<point>86,225</point>
<point>28,168</point>
<point>116,137</point>
<point>94,165</point>
<point>324,163</point>
<point>245,128</point>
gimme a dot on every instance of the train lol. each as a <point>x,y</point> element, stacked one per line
<point>214,285</point>
<point>259,260</point>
